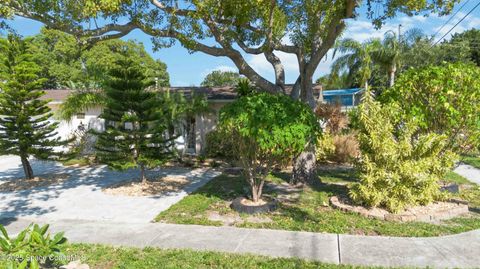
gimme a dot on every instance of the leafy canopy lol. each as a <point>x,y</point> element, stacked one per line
<point>444,99</point>
<point>267,130</point>
<point>219,78</point>
<point>306,29</point>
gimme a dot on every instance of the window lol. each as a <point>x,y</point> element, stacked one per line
<point>81,116</point>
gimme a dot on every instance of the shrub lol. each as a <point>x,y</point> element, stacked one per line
<point>325,147</point>
<point>219,144</point>
<point>332,145</point>
<point>332,117</point>
<point>346,148</point>
<point>397,168</point>
<point>267,130</point>
<point>444,99</point>
<point>32,248</point>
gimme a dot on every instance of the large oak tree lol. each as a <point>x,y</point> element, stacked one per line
<point>229,28</point>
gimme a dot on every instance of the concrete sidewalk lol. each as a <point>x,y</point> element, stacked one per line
<point>454,251</point>
<point>469,172</point>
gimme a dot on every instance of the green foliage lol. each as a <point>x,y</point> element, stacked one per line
<point>473,160</point>
<point>334,81</point>
<point>219,78</point>
<point>244,87</point>
<point>267,130</point>
<point>470,39</point>
<point>63,60</point>
<point>307,29</point>
<point>325,147</point>
<point>219,144</point>
<point>444,99</point>
<point>32,248</point>
<point>397,168</point>
<point>25,126</point>
<point>135,135</point>
<point>357,58</point>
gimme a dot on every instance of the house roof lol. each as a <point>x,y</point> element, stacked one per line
<point>58,95</point>
<point>213,93</point>
<point>342,92</point>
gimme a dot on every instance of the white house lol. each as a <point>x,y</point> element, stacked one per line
<point>192,140</point>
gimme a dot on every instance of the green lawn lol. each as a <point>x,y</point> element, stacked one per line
<point>456,178</point>
<point>77,161</point>
<point>473,160</point>
<point>310,212</point>
<point>103,257</point>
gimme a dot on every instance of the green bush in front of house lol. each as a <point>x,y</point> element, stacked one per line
<point>267,130</point>
<point>219,144</point>
<point>398,168</point>
<point>444,99</point>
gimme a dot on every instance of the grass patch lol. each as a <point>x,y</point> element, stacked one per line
<point>456,178</point>
<point>103,257</point>
<point>472,195</point>
<point>77,161</point>
<point>472,160</point>
<point>309,212</point>
<point>100,256</point>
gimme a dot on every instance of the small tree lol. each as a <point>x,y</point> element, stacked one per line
<point>135,135</point>
<point>268,130</point>
<point>25,129</point>
<point>397,168</point>
<point>444,99</point>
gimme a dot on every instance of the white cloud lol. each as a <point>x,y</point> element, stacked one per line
<point>468,23</point>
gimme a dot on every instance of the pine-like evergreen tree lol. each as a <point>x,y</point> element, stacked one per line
<point>25,129</point>
<point>136,132</point>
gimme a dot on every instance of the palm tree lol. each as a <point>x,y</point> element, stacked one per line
<point>389,55</point>
<point>85,96</point>
<point>356,58</point>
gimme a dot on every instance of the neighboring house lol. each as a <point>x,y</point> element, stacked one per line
<point>192,139</point>
<point>347,98</point>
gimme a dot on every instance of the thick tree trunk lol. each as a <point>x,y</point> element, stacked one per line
<point>27,168</point>
<point>304,166</point>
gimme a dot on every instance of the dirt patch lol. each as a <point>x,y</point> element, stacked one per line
<point>21,184</point>
<point>151,187</point>
<point>429,213</point>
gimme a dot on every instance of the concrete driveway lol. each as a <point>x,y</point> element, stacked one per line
<point>81,197</point>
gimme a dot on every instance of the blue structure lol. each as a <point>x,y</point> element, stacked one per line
<point>346,97</point>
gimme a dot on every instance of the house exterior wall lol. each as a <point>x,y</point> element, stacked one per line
<point>90,120</point>
<point>205,123</point>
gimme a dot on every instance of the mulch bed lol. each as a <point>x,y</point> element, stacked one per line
<point>20,184</point>
<point>429,213</point>
<point>151,187</point>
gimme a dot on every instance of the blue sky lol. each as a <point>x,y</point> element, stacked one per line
<point>189,69</point>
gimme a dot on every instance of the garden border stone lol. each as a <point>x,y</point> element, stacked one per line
<point>445,210</point>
